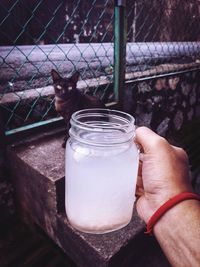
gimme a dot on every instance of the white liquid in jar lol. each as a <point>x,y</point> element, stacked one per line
<point>100,186</point>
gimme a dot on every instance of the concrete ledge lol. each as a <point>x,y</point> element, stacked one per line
<point>48,91</point>
<point>91,84</point>
<point>37,170</point>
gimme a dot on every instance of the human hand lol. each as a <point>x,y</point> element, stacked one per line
<point>164,172</point>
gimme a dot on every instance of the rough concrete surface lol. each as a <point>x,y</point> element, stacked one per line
<point>38,176</point>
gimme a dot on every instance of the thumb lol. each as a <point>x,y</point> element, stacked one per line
<point>147,139</point>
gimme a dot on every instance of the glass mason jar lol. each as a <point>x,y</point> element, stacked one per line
<point>101,170</point>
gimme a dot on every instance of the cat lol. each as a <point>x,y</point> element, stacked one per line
<point>69,99</point>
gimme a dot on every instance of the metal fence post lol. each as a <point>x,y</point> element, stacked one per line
<point>120,34</point>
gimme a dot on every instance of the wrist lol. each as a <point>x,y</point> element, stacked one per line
<point>178,233</point>
<point>155,201</point>
<point>173,220</point>
<point>168,205</point>
<point>149,203</point>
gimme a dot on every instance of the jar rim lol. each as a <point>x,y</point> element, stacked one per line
<point>108,125</point>
<point>101,111</point>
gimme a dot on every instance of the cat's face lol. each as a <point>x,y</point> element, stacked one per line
<point>64,86</point>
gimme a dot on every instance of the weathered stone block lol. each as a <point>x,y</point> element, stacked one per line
<point>38,176</point>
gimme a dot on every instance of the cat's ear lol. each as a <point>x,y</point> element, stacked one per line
<point>75,76</point>
<point>55,76</point>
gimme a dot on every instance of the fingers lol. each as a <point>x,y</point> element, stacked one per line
<point>139,178</point>
<point>140,168</point>
<point>139,191</point>
<point>181,153</point>
<point>149,140</point>
<point>139,186</point>
<point>152,142</point>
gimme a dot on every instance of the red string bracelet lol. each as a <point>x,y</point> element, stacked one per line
<point>166,206</point>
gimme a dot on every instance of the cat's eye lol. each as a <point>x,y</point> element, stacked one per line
<point>59,87</point>
<point>70,88</point>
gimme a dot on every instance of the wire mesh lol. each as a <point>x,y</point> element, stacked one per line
<point>162,63</point>
<point>163,36</point>
<point>37,36</point>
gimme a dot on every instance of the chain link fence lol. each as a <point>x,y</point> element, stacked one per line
<point>36,36</point>
<point>163,36</point>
